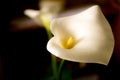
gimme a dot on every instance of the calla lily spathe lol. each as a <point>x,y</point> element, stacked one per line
<point>48,9</point>
<point>84,37</point>
<point>37,15</point>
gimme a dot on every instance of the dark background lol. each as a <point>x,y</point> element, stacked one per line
<point>23,53</point>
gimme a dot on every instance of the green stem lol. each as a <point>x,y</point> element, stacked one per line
<point>53,59</point>
<point>54,67</point>
<point>57,74</point>
<point>60,69</point>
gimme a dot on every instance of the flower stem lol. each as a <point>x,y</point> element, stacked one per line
<point>53,58</point>
<point>56,73</point>
<point>60,69</point>
<point>54,67</point>
<point>54,61</point>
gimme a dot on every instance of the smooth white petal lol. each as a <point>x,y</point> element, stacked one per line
<point>92,34</point>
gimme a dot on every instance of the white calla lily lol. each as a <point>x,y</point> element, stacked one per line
<point>84,37</point>
<point>37,15</point>
<point>48,9</point>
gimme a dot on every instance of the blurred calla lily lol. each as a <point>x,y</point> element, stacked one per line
<point>48,9</point>
<point>38,15</point>
<point>84,37</point>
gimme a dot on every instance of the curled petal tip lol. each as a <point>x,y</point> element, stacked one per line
<point>31,13</point>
